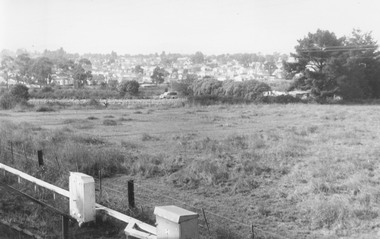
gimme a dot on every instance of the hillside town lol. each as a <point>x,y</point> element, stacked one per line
<point>114,69</point>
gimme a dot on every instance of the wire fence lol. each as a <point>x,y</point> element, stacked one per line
<point>211,225</point>
<point>116,196</point>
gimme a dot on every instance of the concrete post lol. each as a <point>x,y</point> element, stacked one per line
<point>174,222</point>
<point>82,197</point>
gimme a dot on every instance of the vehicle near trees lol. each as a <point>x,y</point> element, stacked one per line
<point>169,95</point>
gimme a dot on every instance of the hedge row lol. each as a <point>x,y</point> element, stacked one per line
<point>251,90</point>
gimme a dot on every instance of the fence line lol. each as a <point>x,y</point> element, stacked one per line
<point>201,209</point>
<point>21,230</point>
<point>15,151</point>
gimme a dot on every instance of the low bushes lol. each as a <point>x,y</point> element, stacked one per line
<point>7,101</point>
<point>45,109</point>
<point>281,99</point>
<point>109,122</point>
<point>129,87</point>
<point>62,93</point>
<point>210,91</point>
<point>17,95</point>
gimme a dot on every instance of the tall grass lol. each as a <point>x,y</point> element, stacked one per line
<point>309,169</point>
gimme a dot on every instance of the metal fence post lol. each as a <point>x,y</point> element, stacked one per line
<point>131,194</point>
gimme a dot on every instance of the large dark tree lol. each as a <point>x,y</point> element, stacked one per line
<point>329,65</point>
<point>362,66</point>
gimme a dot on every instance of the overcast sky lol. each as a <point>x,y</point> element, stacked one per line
<point>178,26</point>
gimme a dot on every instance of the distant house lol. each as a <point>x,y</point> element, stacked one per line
<point>300,93</point>
<point>63,80</point>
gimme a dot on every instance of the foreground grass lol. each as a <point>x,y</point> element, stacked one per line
<point>303,171</point>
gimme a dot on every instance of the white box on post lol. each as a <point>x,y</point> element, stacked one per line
<point>175,222</point>
<point>82,197</point>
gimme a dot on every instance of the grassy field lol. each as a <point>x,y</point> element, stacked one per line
<point>299,171</point>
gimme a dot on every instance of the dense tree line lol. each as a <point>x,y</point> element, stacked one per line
<point>39,70</point>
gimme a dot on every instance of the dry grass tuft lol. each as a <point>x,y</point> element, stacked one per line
<point>109,122</point>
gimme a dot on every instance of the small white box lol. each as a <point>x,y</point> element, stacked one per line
<point>82,197</point>
<point>175,222</point>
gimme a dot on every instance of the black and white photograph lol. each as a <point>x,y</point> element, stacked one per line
<point>189,119</point>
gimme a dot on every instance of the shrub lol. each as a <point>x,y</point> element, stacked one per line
<point>17,95</point>
<point>147,137</point>
<point>93,102</point>
<point>281,99</point>
<point>125,119</point>
<point>330,211</point>
<point>7,101</point>
<point>45,109</point>
<point>228,91</point>
<point>208,86</point>
<point>75,94</point>
<point>20,92</point>
<point>183,87</point>
<point>130,87</point>
<point>212,99</point>
<point>109,122</point>
<point>47,89</point>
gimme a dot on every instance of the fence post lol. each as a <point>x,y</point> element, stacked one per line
<point>204,215</point>
<point>100,184</point>
<point>65,227</point>
<point>131,194</point>
<point>13,160</point>
<point>40,158</point>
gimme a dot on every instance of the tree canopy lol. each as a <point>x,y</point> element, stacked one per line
<point>198,58</point>
<point>131,87</point>
<point>159,75</point>
<point>328,65</point>
<point>42,69</point>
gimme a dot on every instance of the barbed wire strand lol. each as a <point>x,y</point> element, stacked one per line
<point>207,211</point>
<point>183,203</point>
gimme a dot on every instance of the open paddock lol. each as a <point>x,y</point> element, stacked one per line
<point>297,170</point>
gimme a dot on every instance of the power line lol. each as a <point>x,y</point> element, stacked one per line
<point>339,48</point>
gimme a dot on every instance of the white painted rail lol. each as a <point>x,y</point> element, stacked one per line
<point>172,222</point>
<point>146,231</point>
<point>37,181</point>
